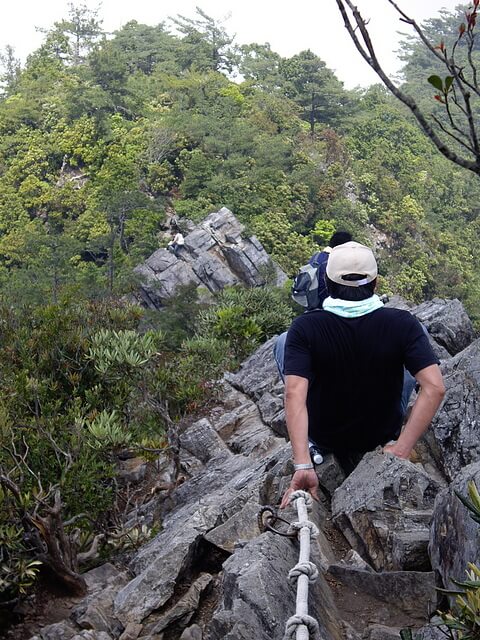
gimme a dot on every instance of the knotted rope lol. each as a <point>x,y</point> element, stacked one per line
<point>301,626</point>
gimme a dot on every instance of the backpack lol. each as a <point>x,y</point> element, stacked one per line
<point>308,288</point>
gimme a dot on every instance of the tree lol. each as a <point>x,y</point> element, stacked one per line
<point>457,137</point>
<point>145,48</point>
<point>315,88</point>
<point>205,45</point>
<point>74,38</point>
<point>10,70</point>
<point>260,66</point>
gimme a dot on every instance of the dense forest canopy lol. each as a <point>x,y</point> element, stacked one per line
<point>103,138</point>
<point>100,135</point>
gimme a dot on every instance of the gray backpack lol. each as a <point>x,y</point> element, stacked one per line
<point>305,287</point>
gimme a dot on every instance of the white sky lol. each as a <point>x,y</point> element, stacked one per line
<point>288,26</point>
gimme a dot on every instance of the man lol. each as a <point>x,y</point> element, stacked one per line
<point>176,244</point>
<point>344,372</point>
<point>320,259</point>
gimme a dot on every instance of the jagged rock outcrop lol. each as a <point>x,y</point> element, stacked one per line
<point>454,535</point>
<point>255,590</point>
<point>447,323</point>
<point>215,255</point>
<point>454,437</point>
<point>211,573</point>
<point>384,509</point>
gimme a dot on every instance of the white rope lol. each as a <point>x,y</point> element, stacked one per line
<point>301,626</point>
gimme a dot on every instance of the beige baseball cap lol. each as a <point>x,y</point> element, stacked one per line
<point>352,258</point>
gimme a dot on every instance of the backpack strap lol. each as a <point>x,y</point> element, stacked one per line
<point>321,257</point>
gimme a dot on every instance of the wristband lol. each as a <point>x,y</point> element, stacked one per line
<point>304,466</point>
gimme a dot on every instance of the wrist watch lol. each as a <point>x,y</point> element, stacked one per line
<point>303,466</point>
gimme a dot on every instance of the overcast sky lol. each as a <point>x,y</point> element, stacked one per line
<point>289,26</point>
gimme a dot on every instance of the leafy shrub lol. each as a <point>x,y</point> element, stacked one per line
<point>464,621</point>
<point>72,381</point>
<point>244,318</point>
<point>187,377</point>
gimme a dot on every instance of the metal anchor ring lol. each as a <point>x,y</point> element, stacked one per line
<point>266,524</point>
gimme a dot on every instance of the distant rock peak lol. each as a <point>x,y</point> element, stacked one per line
<point>215,255</point>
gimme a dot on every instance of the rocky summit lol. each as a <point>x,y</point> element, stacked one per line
<point>215,255</point>
<point>389,533</point>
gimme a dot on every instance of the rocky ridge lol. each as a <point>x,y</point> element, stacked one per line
<point>386,530</point>
<point>389,533</point>
<point>215,255</point>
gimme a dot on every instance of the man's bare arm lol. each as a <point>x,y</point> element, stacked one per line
<point>296,389</point>
<point>430,396</point>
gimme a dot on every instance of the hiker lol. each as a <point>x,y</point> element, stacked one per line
<point>175,244</point>
<point>344,372</point>
<point>318,260</point>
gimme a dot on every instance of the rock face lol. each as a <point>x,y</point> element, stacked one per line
<point>211,573</point>
<point>447,323</point>
<point>214,256</point>
<point>454,534</point>
<point>454,437</point>
<point>255,591</point>
<point>384,509</point>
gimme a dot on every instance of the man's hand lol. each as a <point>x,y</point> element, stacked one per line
<point>306,480</point>
<point>396,450</point>
<point>430,396</point>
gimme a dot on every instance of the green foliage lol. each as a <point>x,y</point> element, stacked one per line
<point>115,353</point>
<point>243,318</point>
<point>472,501</point>
<point>73,379</point>
<point>286,246</point>
<point>187,377</point>
<point>98,138</point>
<point>323,231</point>
<point>107,431</point>
<point>464,621</point>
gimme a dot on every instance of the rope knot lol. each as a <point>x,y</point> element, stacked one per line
<point>308,569</point>
<point>296,526</point>
<point>295,621</point>
<point>305,495</point>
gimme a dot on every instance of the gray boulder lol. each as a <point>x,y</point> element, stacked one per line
<point>431,632</point>
<point>382,632</point>
<point>454,435</point>
<point>413,592</point>
<point>384,509</point>
<point>203,503</point>
<point>447,322</point>
<point>58,631</point>
<point>257,599</point>
<point>258,378</point>
<point>468,361</point>
<point>203,442</point>
<point>183,610</point>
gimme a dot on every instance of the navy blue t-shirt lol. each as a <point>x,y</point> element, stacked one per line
<point>355,371</point>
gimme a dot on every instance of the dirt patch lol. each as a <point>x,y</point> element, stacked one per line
<point>361,610</point>
<point>43,607</point>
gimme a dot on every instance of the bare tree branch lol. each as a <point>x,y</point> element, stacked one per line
<point>452,135</point>
<point>365,48</point>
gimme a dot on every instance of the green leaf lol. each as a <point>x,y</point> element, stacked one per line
<point>436,82</point>
<point>448,83</point>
